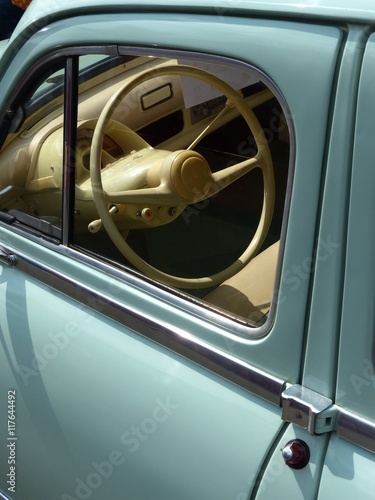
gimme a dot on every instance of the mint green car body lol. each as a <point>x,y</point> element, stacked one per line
<point>123,392</point>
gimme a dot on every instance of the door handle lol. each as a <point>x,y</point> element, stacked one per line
<point>7,258</point>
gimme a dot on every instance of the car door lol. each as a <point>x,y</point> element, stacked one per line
<point>350,453</point>
<point>117,384</point>
<point>335,376</point>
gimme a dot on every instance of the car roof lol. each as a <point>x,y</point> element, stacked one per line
<point>41,13</point>
<point>345,10</point>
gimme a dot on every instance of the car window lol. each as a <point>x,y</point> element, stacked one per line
<point>32,157</point>
<point>180,171</point>
<point>190,190</point>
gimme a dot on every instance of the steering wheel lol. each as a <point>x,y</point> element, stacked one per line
<point>169,181</point>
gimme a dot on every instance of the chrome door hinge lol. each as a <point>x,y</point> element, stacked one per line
<point>7,258</point>
<point>308,409</point>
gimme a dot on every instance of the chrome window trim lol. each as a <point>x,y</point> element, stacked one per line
<point>356,429</point>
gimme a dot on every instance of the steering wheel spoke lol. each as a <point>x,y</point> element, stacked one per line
<point>146,196</point>
<point>223,178</point>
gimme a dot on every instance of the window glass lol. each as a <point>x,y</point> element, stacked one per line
<point>180,171</point>
<point>31,157</point>
<point>188,177</point>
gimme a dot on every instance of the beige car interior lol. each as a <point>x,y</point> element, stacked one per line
<point>108,147</point>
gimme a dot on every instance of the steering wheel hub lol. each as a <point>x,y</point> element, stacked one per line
<point>190,175</point>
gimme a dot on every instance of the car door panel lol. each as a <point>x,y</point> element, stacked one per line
<point>347,470</point>
<point>117,407</point>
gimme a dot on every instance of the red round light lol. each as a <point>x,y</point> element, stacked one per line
<point>296,454</point>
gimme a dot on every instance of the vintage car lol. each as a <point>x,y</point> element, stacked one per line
<point>187,251</point>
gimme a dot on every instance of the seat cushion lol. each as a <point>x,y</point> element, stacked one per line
<point>249,293</point>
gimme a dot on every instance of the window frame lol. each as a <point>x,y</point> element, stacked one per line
<point>171,295</point>
<point>174,296</point>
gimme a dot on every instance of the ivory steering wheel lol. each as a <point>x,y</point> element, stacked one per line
<point>177,179</point>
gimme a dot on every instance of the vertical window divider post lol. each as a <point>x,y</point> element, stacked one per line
<point>69,154</point>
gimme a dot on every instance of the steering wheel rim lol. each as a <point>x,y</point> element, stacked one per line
<point>262,159</point>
